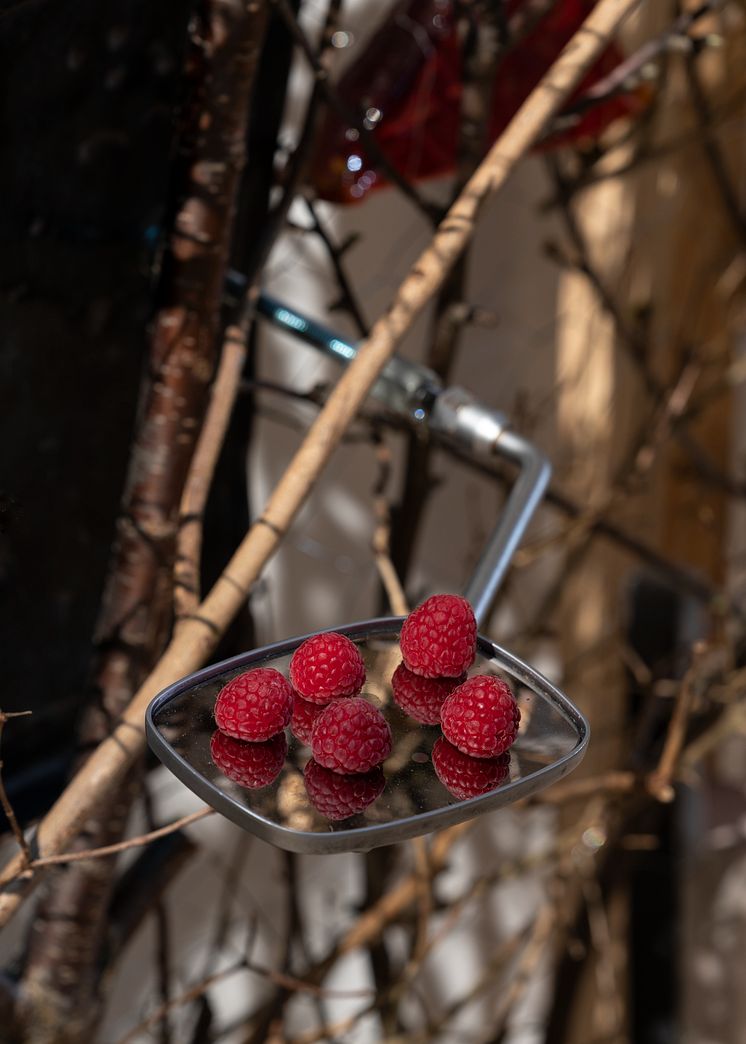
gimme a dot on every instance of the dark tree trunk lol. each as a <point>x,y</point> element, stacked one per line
<point>90,95</point>
<point>60,982</point>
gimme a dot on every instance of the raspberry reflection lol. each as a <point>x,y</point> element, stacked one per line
<point>338,796</point>
<point>251,765</point>
<point>421,698</point>
<point>465,776</point>
<point>305,714</point>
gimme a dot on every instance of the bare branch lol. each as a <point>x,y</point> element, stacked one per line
<point>659,781</point>
<point>197,487</point>
<point>186,997</point>
<point>5,801</point>
<point>347,298</point>
<point>381,536</point>
<point>716,160</point>
<point>121,846</point>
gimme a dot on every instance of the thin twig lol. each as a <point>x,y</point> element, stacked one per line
<point>347,298</point>
<point>372,922</point>
<point>288,982</point>
<point>199,479</point>
<point>631,337</point>
<point>673,403</point>
<point>711,146</point>
<point>225,918</point>
<point>731,722</point>
<point>188,995</point>
<point>425,902</point>
<point>295,168</point>
<point>491,968</point>
<point>526,965</point>
<point>291,982</point>
<point>328,1033</point>
<point>617,80</point>
<point>10,815</point>
<point>726,112</point>
<point>121,846</point>
<point>382,533</point>
<point>608,1009</point>
<point>614,782</point>
<point>163,934</point>
<point>659,781</point>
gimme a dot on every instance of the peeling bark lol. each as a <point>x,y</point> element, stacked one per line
<point>59,996</point>
<point>136,611</point>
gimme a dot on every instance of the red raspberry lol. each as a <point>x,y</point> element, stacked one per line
<point>439,638</point>
<point>338,797</point>
<point>351,736</point>
<point>421,698</point>
<point>255,705</point>
<point>251,765</point>
<point>326,666</point>
<point>305,714</point>
<point>481,717</point>
<point>465,776</point>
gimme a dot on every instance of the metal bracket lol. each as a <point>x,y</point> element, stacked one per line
<point>414,391</point>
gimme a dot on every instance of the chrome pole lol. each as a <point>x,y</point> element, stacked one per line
<point>458,417</point>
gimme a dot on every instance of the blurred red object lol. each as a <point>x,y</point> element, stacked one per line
<point>407,85</point>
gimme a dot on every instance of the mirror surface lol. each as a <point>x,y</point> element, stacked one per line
<point>306,809</point>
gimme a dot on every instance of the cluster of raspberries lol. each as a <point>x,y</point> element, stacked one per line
<point>478,715</point>
<point>349,737</point>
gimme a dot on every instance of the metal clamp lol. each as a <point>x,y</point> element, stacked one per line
<point>414,391</point>
<point>406,388</point>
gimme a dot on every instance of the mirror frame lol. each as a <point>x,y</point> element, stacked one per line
<point>361,839</point>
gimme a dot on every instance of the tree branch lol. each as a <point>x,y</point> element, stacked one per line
<point>197,487</point>
<point>5,801</point>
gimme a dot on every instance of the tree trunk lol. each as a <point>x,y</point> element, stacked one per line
<point>62,971</point>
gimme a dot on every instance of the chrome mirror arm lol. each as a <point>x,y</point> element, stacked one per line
<point>414,391</point>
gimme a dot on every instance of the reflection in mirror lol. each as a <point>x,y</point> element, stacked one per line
<point>276,789</point>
